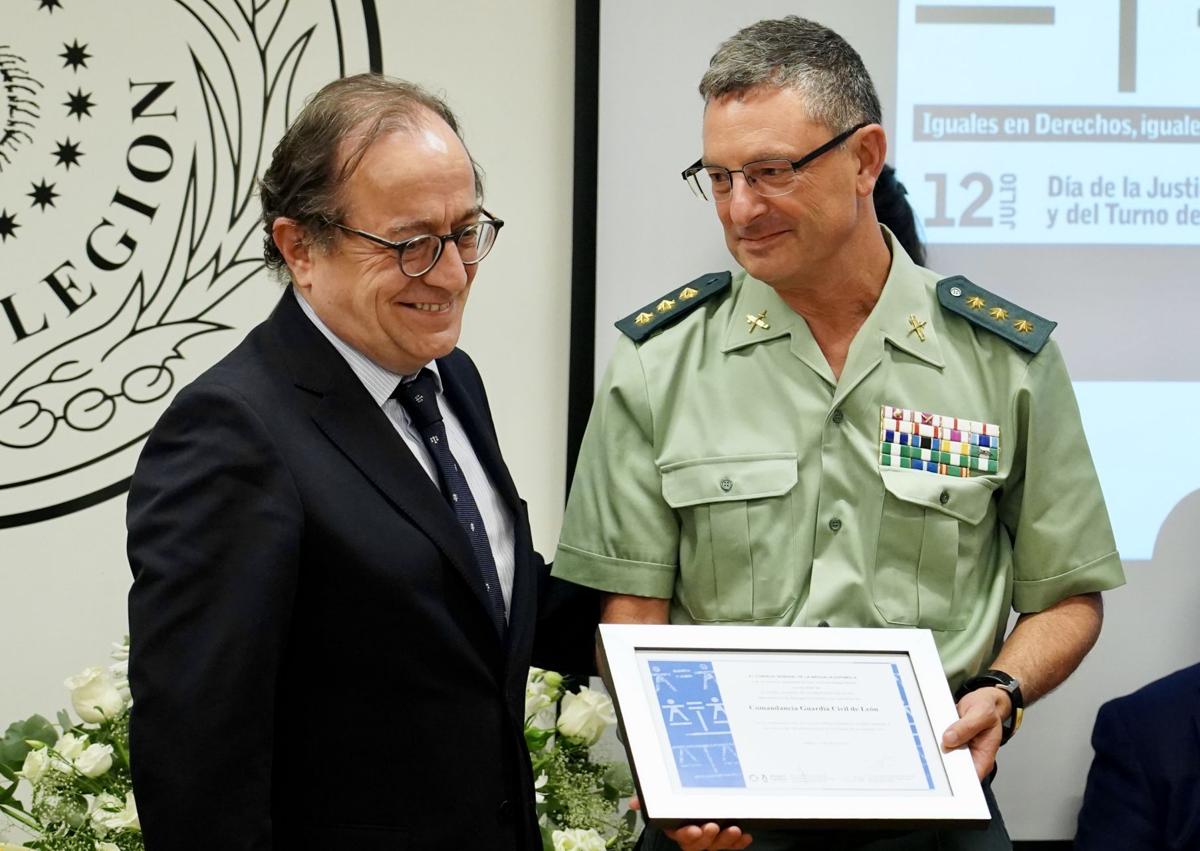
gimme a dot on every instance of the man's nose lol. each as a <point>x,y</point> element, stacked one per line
<point>449,272</point>
<point>745,205</point>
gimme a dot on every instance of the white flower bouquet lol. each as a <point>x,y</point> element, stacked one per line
<point>80,795</point>
<point>75,776</point>
<point>578,796</point>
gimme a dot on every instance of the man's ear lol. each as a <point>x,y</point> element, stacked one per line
<point>293,243</point>
<point>871,147</point>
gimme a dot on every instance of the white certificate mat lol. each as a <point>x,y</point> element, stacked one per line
<point>789,725</point>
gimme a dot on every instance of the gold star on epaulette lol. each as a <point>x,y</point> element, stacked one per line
<point>688,292</point>
<point>643,318</point>
<point>976,303</point>
<point>1024,326</point>
<point>665,305</point>
<point>998,313</point>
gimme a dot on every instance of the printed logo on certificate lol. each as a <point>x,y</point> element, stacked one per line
<point>787,725</point>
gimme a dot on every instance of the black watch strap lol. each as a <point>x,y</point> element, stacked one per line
<point>999,679</point>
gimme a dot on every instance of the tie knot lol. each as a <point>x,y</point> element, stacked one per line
<point>419,398</point>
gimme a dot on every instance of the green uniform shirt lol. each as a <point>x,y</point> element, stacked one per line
<point>724,467</point>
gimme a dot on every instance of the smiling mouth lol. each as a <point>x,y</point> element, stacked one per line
<point>761,238</point>
<point>431,307</point>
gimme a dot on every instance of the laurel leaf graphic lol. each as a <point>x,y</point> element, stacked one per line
<point>155,347</point>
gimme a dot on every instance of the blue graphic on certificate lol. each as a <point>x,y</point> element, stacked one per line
<point>697,725</point>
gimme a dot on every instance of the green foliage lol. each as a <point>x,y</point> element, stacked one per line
<point>15,744</point>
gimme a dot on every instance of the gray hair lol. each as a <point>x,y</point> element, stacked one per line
<point>305,178</point>
<point>799,54</point>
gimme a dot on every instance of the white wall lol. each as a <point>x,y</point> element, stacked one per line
<point>507,70</point>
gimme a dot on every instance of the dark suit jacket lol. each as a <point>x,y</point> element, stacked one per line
<point>313,663</point>
<point>1143,791</point>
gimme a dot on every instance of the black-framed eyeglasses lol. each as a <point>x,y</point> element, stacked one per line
<point>419,254</point>
<point>766,177</point>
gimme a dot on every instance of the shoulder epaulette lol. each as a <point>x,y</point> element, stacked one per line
<point>1024,329</point>
<point>674,305</point>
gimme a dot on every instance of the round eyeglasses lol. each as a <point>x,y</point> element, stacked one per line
<point>766,177</point>
<point>419,254</point>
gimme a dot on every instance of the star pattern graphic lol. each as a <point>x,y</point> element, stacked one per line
<point>67,153</point>
<point>79,104</point>
<point>43,194</point>
<point>8,225</point>
<point>75,55</point>
<point>49,5</point>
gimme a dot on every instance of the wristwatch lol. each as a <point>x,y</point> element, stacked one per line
<point>999,679</point>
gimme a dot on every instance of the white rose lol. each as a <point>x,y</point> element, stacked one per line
<point>37,763</point>
<point>535,703</point>
<point>66,749</point>
<point>585,716</point>
<point>106,846</point>
<point>542,690</point>
<point>577,840</point>
<point>106,806</point>
<point>95,696</point>
<point>4,847</point>
<point>94,761</point>
<point>111,814</point>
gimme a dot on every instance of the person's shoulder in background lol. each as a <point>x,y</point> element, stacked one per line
<point>1143,789</point>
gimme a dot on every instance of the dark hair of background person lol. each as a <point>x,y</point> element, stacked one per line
<point>305,177</point>
<point>892,209</point>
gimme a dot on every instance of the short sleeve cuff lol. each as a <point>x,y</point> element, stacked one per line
<point>615,575</point>
<point>1102,574</point>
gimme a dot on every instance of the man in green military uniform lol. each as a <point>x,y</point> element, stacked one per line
<point>837,436</point>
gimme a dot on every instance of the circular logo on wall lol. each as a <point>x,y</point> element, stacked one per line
<point>130,246</point>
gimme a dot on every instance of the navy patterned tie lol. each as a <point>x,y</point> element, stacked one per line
<point>419,398</point>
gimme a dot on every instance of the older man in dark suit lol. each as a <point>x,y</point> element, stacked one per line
<point>335,588</point>
<point>1143,791</point>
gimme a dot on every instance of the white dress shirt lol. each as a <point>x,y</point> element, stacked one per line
<point>380,383</point>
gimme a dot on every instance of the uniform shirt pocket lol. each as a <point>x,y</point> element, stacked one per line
<point>927,547</point>
<point>737,549</point>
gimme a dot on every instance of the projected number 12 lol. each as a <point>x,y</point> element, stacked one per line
<point>970,218</point>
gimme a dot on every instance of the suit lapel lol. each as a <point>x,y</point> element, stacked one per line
<point>458,383</point>
<point>344,411</point>
<point>464,390</point>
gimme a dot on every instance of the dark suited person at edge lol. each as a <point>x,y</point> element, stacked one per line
<point>332,566</point>
<point>1143,790</point>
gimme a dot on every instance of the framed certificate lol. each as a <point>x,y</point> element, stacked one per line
<point>789,726</point>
